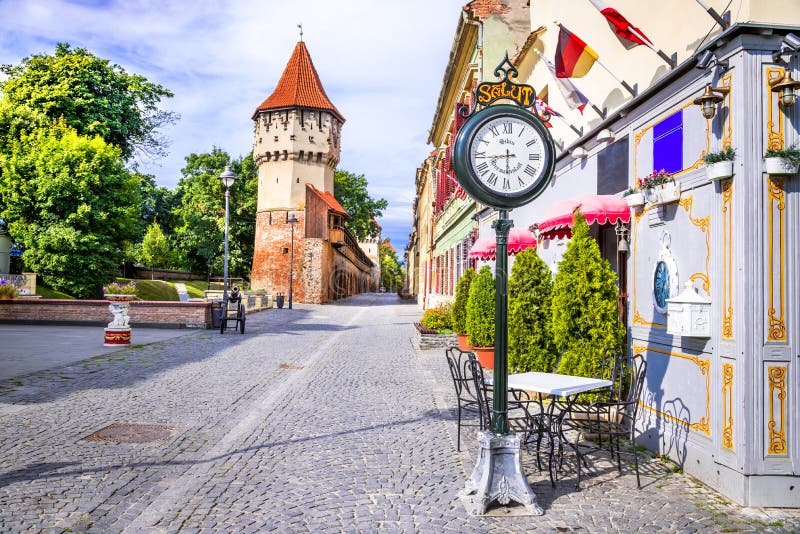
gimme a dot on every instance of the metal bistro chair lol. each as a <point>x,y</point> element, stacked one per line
<point>468,395</point>
<point>611,419</point>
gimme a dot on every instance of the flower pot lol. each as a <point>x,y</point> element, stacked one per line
<point>719,170</point>
<point>118,332</point>
<point>779,166</point>
<point>118,297</point>
<point>663,194</point>
<point>634,200</point>
<point>463,344</point>
<point>485,356</point>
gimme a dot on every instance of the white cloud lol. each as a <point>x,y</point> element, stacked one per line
<point>381,63</point>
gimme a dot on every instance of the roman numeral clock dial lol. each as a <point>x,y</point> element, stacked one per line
<point>504,156</point>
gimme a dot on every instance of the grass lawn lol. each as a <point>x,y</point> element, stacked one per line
<point>153,289</point>
<point>47,293</point>
<point>196,288</point>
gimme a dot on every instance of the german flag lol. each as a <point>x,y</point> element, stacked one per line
<point>574,58</point>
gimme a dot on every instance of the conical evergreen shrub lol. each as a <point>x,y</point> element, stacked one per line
<point>585,316</point>
<point>530,337</point>
<point>480,309</point>
<point>459,319</point>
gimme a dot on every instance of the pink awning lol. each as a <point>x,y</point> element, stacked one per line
<point>601,209</point>
<point>518,240</point>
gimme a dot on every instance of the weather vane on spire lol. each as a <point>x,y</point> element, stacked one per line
<point>301,31</point>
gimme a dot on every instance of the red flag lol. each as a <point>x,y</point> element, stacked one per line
<point>574,58</point>
<point>629,34</point>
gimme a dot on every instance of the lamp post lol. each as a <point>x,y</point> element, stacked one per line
<point>291,220</point>
<point>228,177</point>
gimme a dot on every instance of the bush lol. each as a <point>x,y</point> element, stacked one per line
<point>530,336</point>
<point>585,314</point>
<point>459,315</point>
<point>117,288</point>
<point>729,154</point>
<point>481,309</point>
<point>791,153</point>
<point>437,318</point>
<point>7,290</point>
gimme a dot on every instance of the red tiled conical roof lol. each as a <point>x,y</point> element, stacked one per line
<point>299,86</point>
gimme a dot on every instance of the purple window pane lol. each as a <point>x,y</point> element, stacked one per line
<point>668,144</point>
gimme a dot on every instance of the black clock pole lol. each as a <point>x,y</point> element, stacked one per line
<point>500,402</point>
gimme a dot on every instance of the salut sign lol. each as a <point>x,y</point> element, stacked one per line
<point>488,92</point>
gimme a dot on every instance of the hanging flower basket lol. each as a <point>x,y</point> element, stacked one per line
<point>719,170</point>
<point>659,187</point>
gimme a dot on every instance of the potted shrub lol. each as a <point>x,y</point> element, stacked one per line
<point>784,161</point>
<point>585,315</point>
<point>438,319</point>
<point>480,316</point>
<point>530,336</point>
<point>633,197</point>
<point>116,291</point>
<point>659,187</point>
<point>459,318</point>
<point>719,165</point>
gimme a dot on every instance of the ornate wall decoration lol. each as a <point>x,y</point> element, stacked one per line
<point>727,406</point>
<point>703,223</point>
<point>704,366</point>
<point>777,410</point>
<point>727,259</point>
<point>776,228</point>
<point>775,140</point>
<point>727,128</point>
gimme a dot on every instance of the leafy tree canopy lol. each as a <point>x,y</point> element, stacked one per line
<point>71,203</point>
<point>351,192</point>
<point>392,273</point>
<point>93,96</point>
<point>200,234</point>
<point>156,251</point>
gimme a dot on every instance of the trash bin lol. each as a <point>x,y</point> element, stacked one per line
<point>216,314</point>
<point>279,299</point>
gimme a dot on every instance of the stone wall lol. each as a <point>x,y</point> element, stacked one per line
<point>273,250</point>
<point>142,313</point>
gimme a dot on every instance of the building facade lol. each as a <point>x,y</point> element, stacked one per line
<point>723,403</point>
<point>296,147</point>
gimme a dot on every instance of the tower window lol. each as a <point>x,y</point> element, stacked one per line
<point>285,155</point>
<point>310,138</point>
<point>298,180</point>
<point>291,137</point>
<point>276,180</point>
<point>276,138</point>
<point>319,157</point>
<point>300,156</point>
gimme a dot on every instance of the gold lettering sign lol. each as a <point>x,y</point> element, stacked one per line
<point>519,93</point>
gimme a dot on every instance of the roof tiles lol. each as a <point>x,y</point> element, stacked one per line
<point>299,86</point>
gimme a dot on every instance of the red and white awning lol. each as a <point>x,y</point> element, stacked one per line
<point>518,240</point>
<point>601,209</point>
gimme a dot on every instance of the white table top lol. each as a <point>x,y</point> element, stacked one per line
<point>555,384</point>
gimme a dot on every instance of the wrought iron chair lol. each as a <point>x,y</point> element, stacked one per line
<point>609,419</point>
<point>469,397</point>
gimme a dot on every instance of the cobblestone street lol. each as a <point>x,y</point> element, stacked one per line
<point>321,418</point>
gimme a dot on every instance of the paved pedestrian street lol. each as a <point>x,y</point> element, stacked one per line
<point>320,418</point>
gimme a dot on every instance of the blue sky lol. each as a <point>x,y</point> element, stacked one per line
<point>381,62</point>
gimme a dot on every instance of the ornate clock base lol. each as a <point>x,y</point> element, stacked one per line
<point>498,476</point>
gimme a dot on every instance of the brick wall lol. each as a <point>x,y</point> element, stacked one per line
<point>270,263</point>
<point>142,313</point>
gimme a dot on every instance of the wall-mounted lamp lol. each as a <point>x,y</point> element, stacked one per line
<point>785,87</point>
<point>708,100</point>
<point>534,229</point>
<point>621,230</point>
<point>579,153</point>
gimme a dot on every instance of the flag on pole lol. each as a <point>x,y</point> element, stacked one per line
<point>628,34</point>
<point>574,58</point>
<point>575,99</point>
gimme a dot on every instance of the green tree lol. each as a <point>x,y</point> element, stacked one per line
<point>530,338</point>
<point>155,248</point>
<point>481,309</point>
<point>351,192</point>
<point>585,313</point>
<point>200,234</point>
<point>460,305</point>
<point>159,204</point>
<point>93,96</point>
<point>392,273</point>
<point>71,203</point>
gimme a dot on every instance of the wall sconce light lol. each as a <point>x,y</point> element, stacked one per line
<point>604,135</point>
<point>579,153</point>
<point>621,230</point>
<point>708,100</point>
<point>785,87</point>
<point>534,229</point>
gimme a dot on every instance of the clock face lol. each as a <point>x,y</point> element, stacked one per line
<point>508,155</point>
<point>504,156</point>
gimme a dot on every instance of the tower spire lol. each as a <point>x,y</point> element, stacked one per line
<point>301,31</point>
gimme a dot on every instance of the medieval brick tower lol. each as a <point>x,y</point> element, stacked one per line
<point>296,147</point>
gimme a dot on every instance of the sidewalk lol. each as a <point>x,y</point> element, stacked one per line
<point>26,349</point>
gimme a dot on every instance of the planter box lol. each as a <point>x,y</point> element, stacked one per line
<point>779,166</point>
<point>719,170</point>
<point>634,200</point>
<point>663,194</point>
<point>428,339</point>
